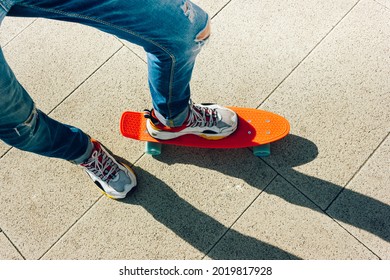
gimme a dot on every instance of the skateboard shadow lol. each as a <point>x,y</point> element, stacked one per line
<point>196,227</point>
<point>203,232</point>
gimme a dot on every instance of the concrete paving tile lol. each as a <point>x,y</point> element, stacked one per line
<point>51,69</point>
<point>217,182</point>
<point>7,250</point>
<point>117,230</point>
<point>40,199</point>
<point>338,109</point>
<point>385,3</point>
<point>211,7</point>
<point>3,148</point>
<point>283,224</point>
<point>11,27</point>
<point>363,208</point>
<point>186,200</point>
<point>255,45</point>
<point>96,106</point>
<point>263,44</point>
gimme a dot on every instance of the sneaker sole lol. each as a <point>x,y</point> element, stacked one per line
<point>212,138</point>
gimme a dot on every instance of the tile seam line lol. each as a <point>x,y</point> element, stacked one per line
<point>81,217</point>
<point>239,216</point>
<point>18,34</point>
<point>86,79</point>
<point>293,185</point>
<point>322,211</point>
<point>221,9</point>
<point>6,152</point>
<point>354,237</point>
<point>73,91</point>
<point>13,245</point>
<point>384,6</point>
<point>358,171</point>
<point>133,52</point>
<point>308,54</point>
<point>71,226</point>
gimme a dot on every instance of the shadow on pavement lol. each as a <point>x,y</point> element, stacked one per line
<point>203,232</point>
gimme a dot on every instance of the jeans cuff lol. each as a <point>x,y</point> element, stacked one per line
<point>174,122</point>
<point>84,156</point>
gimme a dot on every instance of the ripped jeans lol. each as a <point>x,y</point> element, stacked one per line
<point>171,32</point>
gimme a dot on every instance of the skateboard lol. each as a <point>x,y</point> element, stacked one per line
<point>256,128</point>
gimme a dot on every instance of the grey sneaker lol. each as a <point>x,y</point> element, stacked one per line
<point>209,121</point>
<point>113,178</point>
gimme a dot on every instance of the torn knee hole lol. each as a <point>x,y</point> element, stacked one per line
<point>32,117</point>
<point>205,34</point>
<point>185,7</point>
<point>29,123</point>
<point>188,11</point>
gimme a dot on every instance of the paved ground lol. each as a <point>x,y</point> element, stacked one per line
<point>323,194</point>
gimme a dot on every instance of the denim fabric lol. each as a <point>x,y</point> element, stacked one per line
<point>168,32</point>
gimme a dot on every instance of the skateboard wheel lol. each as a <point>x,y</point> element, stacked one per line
<point>152,148</point>
<point>262,150</point>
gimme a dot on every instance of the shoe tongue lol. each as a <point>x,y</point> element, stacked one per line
<point>116,178</point>
<point>219,117</point>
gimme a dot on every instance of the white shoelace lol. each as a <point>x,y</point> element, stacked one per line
<point>105,168</point>
<point>202,116</point>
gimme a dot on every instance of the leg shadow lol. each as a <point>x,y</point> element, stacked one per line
<point>363,212</point>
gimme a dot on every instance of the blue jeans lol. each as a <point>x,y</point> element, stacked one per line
<point>171,32</point>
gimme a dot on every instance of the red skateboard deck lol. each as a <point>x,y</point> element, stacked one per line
<point>256,128</point>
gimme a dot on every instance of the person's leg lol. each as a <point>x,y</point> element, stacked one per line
<point>25,127</point>
<point>171,32</point>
